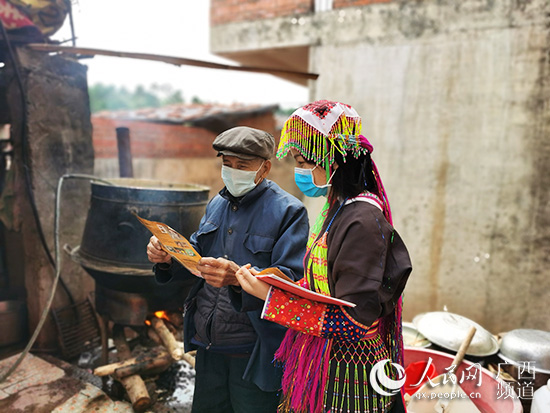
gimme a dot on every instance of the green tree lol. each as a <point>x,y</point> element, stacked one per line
<point>110,97</point>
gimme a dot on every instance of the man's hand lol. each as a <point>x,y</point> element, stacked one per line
<point>155,253</point>
<point>250,283</point>
<point>218,272</point>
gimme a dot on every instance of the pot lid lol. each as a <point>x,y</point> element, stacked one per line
<point>412,337</point>
<point>523,345</point>
<point>448,330</point>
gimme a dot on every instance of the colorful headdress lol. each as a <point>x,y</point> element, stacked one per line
<point>319,129</point>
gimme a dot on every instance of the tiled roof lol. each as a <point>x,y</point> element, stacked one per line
<point>187,112</point>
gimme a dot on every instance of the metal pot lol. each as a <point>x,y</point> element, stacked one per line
<point>113,248</point>
<point>114,237</point>
<point>527,345</point>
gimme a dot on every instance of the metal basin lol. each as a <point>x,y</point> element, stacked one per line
<point>488,389</point>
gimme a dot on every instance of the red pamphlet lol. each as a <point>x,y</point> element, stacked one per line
<point>283,283</point>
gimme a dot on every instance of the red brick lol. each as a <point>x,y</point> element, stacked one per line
<point>154,140</point>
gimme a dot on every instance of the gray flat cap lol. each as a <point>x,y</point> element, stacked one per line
<point>245,143</point>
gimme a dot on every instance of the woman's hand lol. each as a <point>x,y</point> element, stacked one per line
<point>155,253</point>
<point>246,277</point>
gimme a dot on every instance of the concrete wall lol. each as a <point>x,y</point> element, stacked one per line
<point>455,98</point>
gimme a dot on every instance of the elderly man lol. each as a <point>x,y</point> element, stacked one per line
<point>252,220</point>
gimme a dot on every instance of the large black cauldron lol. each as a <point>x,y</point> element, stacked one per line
<point>113,248</point>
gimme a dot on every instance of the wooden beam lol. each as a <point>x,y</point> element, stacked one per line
<point>178,61</point>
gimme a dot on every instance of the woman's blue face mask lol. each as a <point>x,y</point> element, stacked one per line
<point>304,181</point>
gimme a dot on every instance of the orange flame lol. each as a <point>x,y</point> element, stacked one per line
<point>159,314</point>
<point>162,314</point>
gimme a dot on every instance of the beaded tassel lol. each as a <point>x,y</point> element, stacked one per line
<point>315,146</point>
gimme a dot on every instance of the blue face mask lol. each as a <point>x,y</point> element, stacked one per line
<point>304,180</point>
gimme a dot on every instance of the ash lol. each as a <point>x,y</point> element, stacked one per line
<point>175,388</point>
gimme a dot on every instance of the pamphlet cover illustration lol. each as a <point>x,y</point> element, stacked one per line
<point>174,244</point>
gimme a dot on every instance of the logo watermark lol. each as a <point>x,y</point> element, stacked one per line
<point>446,395</point>
<point>384,385</point>
<point>378,376</point>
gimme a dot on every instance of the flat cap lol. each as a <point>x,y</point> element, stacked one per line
<point>244,142</point>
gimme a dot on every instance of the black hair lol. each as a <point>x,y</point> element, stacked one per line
<point>352,177</point>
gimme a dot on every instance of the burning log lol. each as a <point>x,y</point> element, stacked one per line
<point>149,365</point>
<point>187,357</point>
<point>152,334</point>
<point>134,385</point>
<point>144,359</point>
<point>174,348</point>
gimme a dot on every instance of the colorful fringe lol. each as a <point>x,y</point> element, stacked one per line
<point>316,147</point>
<point>348,388</point>
<point>306,360</point>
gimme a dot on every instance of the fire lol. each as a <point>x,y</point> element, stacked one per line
<point>159,314</point>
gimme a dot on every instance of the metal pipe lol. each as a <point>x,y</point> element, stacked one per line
<point>124,153</point>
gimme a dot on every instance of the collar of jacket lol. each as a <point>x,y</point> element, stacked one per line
<point>247,198</point>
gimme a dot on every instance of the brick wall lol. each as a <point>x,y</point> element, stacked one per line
<point>230,11</point>
<point>155,140</point>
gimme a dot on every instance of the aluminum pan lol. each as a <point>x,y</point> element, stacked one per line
<point>448,331</point>
<point>527,345</point>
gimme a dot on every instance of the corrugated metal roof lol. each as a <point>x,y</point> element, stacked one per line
<point>187,112</point>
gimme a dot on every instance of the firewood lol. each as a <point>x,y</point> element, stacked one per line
<point>176,318</point>
<point>152,334</point>
<point>143,358</point>
<point>170,327</point>
<point>188,357</point>
<point>174,348</point>
<point>134,385</point>
<point>150,366</point>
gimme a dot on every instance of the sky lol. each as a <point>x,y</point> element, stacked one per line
<point>177,28</point>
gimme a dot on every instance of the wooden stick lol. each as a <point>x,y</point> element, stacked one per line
<point>187,357</point>
<point>174,348</point>
<point>152,334</point>
<point>178,61</point>
<point>107,369</point>
<point>464,346</point>
<point>134,385</point>
<point>149,365</point>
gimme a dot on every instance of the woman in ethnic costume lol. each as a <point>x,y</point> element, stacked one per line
<point>353,254</point>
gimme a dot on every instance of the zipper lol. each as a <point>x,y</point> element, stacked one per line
<point>210,321</point>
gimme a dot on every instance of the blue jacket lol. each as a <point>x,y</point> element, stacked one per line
<point>267,228</point>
